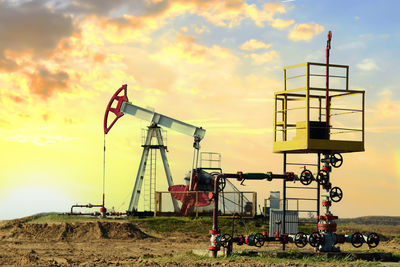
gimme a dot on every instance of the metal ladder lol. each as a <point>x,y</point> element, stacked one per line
<point>312,186</point>
<point>150,181</point>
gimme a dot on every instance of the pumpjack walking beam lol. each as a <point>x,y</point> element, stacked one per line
<point>123,106</point>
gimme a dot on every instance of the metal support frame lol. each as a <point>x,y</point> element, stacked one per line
<point>285,188</point>
<point>153,131</point>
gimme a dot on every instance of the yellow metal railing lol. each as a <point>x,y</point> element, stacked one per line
<point>301,109</point>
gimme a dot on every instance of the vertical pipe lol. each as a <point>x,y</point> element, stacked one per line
<point>104,169</point>
<point>318,189</point>
<point>328,47</point>
<point>284,201</point>
<point>197,204</point>
<point>155,203</point>
<point>215,211</point>
<point>319,108</point>
<point>254,204</point>
<point>285,118</point>
<point>239,203</point>
<point>308,103</point>
<point>275,109</point>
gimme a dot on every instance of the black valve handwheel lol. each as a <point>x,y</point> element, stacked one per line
<point>357,240</point>
<point>306,177</point>
<point>259,240</point>
<point>300,239</point>
<point>336,160</point>
<point>225,240</point>
<point>373,240</point>
<point>315,239</point>
<point>323,177</point>
<point>336,194</point>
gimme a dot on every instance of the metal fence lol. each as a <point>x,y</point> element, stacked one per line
<point>229,203</point>
<point>276,219</point>
<point>303,206</point>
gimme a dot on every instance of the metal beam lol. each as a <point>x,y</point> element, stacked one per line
<point>163,120</point>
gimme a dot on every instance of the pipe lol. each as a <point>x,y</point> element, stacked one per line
<point>89,206</point>
<point>328,47</point>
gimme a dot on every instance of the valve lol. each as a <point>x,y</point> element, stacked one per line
<point>336,161</point>
<point>300,239</point>
<point>240,240</point>
<point>315,239</point>
<point>223,240</point>
<point>336,194</point>
<point>357,240</point>
<point>306,177</point>
<point>256,240</point>
<point>373,240</point>
<point>323,177</point>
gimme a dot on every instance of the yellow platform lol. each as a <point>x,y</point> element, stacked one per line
<point>300,121</point>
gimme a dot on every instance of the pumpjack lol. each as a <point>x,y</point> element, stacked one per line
<point>120,105</point>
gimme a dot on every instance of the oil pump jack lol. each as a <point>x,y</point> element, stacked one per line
<point>120,105</point>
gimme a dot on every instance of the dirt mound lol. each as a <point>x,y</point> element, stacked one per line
<point>80,231</point>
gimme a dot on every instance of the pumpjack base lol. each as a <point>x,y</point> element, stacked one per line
<point>351,256</point>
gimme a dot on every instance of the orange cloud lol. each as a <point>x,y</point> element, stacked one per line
<point>254,44</point>
<point>44,82</point>
<point>305,31</point>
<point>281,23</point>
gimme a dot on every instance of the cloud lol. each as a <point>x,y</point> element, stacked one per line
<point>305,31</point>
<point>200,30</point>
<point>368,64</point>
<point>44,82</point>
<point>254,44</point>
<point>98,7</point>
<point>185,47</point>
<point>388,109</point>
<point>386,93</point>
<point>281,24</point>
<point>267,57</point>
<point>32,27</point>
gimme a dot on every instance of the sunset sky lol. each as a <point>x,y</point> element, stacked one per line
<point>211,63</point>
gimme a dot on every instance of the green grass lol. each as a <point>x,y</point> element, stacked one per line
<point>199,225</point>
<point>316,260</point>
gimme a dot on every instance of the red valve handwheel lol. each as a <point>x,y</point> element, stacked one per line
<point>116,110</point>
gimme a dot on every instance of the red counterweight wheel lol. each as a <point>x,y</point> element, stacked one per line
<point>306,177</point>
<point>116,110</point>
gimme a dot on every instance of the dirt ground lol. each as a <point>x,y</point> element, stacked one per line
<point>98,243</point>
